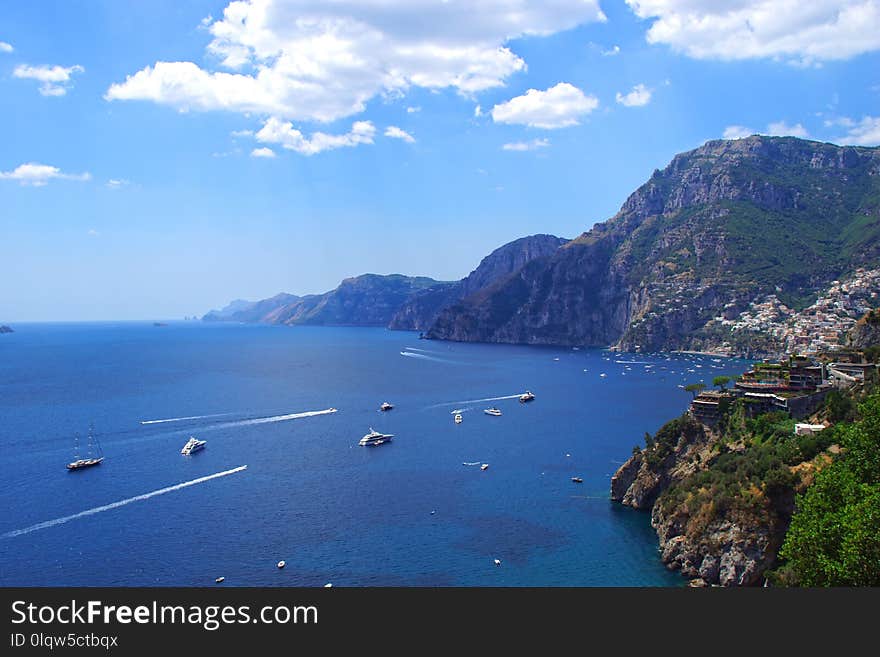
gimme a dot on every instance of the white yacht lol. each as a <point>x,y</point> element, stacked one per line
<point>386,406</point>
<point>458,418</point>
<point>375,438</point>
<point>193,445</point>
<point>492,411</point>
<point>527,396</point>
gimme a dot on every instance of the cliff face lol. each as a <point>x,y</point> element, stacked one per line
<point>866,332</point>
<point>423,308</point>
<point>717,228</point>
<point>251,311</point>
<point>702,534</point>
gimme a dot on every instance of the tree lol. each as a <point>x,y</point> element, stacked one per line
<point>695,388</point>
<point>721,382</point>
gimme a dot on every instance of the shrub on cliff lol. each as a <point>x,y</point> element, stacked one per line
<point>834,537</point>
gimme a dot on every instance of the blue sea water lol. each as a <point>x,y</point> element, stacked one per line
<point>405,513</point>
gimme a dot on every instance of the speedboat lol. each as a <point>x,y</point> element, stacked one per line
<point>281,564</point>
<point>492,411</point>
<point>485,466</point>
<point>526,397</point>
<point>375,438</point>
<point>458,418</point>
<point>577,480</point>
<point>219,580</point>
<point>386,406</point>
<point>193,445</point>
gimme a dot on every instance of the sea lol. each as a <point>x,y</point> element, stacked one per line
<point>282,476</point>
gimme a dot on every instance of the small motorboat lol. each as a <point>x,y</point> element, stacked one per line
<point>328,585</point>
<point>527,396</point>
<point>281,564</point>
<point>493,411</point>
<point>577,480</point>
<point>458,418</point>
<point>386,406</point>
<point>603,375</point>
<point>497,562</point>
<point>220,580</point>
<point>485,466</point>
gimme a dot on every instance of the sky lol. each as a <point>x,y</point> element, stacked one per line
<point>160,158</point>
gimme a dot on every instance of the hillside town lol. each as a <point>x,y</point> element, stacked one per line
<point>817,328</point>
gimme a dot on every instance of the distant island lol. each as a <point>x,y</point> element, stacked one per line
<point>6,329</point>
<point>753,247</point>
<point>772,480</point>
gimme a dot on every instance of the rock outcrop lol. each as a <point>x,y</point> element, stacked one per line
<point>866,332</point>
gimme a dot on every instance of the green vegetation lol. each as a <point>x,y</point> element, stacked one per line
<point>695,388</point>
<point>834,537</point>
<point>721,382</point>
<point>661,444</point>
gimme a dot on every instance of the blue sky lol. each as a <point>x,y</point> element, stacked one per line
<point>160,158</point>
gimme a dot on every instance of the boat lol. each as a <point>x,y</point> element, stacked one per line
<point>386,406</point>
<point>78,462</point>
<point>219,580</point>
<point>375,438</point>
<point>193,445</point>
<point>281,564</point>
<point>497,562</point>
<point>603,375</point>
<point>492,411</point>
<point>328,585</point>
<point>485,466</point>
<point>458,418</point>
<point>527,396</point>
<point>577,480</point>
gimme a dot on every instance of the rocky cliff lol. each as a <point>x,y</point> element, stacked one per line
<point>251,311</point>
<point>422,310</point>
<point>866,332</point>
<point>721,501</point>
<point>6,329</point>
<point>716,229</point>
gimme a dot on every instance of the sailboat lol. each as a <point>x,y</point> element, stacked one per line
<point>90,460</point>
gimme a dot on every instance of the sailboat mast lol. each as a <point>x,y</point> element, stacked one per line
<point>76,446</point>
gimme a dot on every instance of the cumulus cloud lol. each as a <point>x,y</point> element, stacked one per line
<point>611,52</point>
<point>639,95</point>
<point>237,134</point>
<point>737,132</point>
<point>792,30</point>
<point>116,183</point>
<point>54,80</point>
<point>6,47</point>
<point>397,133</point>
<point>862,133</point>
<point>263,152</point>
<point>38,175</point>
<point>413,109</point>
<point>282,133</point>
<point>532,145</point>
<point>560,106</point>
<point>782,129</point>
<point>320,61</point>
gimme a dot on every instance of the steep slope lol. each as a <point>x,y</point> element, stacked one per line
<point>866,332</point>
<point>227,311</point>
<point>420,312</point>
<point>717,228</point>
<point>251,311</point>
<point>367,300</point>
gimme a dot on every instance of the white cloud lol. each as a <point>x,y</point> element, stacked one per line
<point>396,133</point>
<point>737,132</point>
<point>320,61</point>
<point>532,145</point>
<point>55,80</point>
<point>558,107</point>
<point>792,30</point>
<point>6,47</point>
<point>413,110</point>
<point>478,111</point>
<point>611,52</point>
<point>37,175</point>
<point>263,152</point>
<point>862,133</point>
<point>782,129</point>
<point>92,232</point>
<point>116,183</point>
<point>236,134</point>
<point>275,131</point>
<point>639,95</point>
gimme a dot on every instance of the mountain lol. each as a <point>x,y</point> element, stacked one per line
<point>864,335</point>
<point>227,311</point>
<point>422,309</point>
<point>718,229</point>
<point>367,300</point>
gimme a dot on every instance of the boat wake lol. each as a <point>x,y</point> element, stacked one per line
<point>412,354</point>
<point>116,505</point>
<point>273,418</point>
<point>475,401</point>
<point>183,419</point>
<point>474,463</point>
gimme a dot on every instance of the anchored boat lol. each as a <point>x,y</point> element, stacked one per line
<point>90,460</point>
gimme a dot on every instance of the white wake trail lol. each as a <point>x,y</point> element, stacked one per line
<point>274,418</point>
<point>474,401</point>
<point>412,354</point>
<point>182,419</point>
<point>116,505</point>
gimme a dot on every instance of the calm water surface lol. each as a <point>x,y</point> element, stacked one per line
<point>336,512</point>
